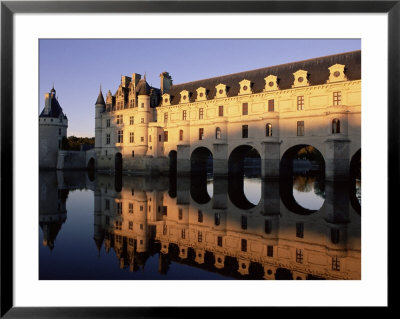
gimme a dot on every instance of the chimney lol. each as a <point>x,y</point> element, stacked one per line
<point>165,82</point>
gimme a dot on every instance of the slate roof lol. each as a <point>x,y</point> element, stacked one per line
<point>55,109</point>
<point>318,73</point>
<point>100,99</point>
<point>143,88</point>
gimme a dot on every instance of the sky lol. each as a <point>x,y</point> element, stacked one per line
<point>77,67</point>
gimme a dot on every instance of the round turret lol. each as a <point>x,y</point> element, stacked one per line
<point>143,88</point>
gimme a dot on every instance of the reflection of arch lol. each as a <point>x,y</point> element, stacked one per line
<point>313,160</point>
<point>172,156</point>
<point>198,189</point>
<point>118,162</point>
<point>201,161</point>
<point>236,193</point>
<point>244,159</point>
<point>335,126</point>
<point>90,165</point>
<point>355,173</point>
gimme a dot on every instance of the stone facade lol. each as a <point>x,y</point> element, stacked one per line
<point>272,110</point>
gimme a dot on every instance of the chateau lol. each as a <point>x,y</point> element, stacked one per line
<point>271,112</point>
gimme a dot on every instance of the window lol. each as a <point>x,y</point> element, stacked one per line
<point>165,210</point>
<point>217,219</point>
<point>219,241</point>
<point>131,120</point>
<point>141,226</point>
<point>59,144</point>
<point>133,153</point>
<point>108,138</point>
<point>149,138</point>
<point>299,256</point>
<point>131,137</point>
<point>107,203</point>
<point>199,236</point>
<point>337,98</point>
<point>201,113</point>
<point>118,225</point>
<point>183,233</point>
<point>335,236</point>
<point>119,119</point>
<point>335,126</point>
<point>300,128</point>
<point>271,105</point>
<point>268,129</point>
<point>159,138</point>
<point>142,120</point>
<point>268,227</point>
<point>165,229</point>
<point>119,208</point>
<point>245,131</point>
<point>335,264</point>
<point>244,222</point>
<point>244,245</point>
<point>142,138</point>
<point>200,216</point>
<point>270,251</point>
<point>181,135</point>
<point>180,213</point>
<point>166,136</point>
<point>300,103</point>
<point>142,105</point>
<point>108,123</point>
<point>132,103</point>
<point>300,230</point>
<point>245,109</point>
<point>130,208</point>
<point>221,110</point>
<point>130,225</point>
<point>59,131</point>
<point>107,220</point>
<point>218,133</point>
<point>120,136</point>
<point>201,133</point>
<point>130,242</point>
<point>141,208</point>
<point>165,117</point>
<point>184,115</point>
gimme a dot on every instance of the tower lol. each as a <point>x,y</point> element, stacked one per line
<point>99,107</point>
<point>143,106</point>
<point>53,124</point>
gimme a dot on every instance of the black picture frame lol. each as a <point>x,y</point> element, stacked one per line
<point>9,8</point>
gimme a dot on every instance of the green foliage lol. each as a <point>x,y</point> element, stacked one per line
<point>73,143</point>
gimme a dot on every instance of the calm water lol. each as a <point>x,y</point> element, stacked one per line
<point>106,227</point>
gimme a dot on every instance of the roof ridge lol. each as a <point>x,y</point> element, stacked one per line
<point>268,67</point>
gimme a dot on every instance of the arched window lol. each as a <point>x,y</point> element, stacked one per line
<point>268,129</point>
<point>335,126</point>
<point>218,133</point>
<point>181,135</point>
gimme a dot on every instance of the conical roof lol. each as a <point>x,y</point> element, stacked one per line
<point>100,99</point>
<point>143,88</point>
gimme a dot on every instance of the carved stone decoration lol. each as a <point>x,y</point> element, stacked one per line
<point>337,73</point>
<point>245,87</point>
<point>184,96</point>
<point>271,83</point>
<point>166,99</point>
<point>201,94</point>
<point>300,79</point>
<point>220,91</point>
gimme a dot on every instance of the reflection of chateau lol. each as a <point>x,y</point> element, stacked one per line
<point>271,111</point>
<point>139,218</point>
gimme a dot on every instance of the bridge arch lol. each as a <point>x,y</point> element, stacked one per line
<point>118,162</point>
<point>172,158</point>
<point>201,166</point>
<point>355,180</point>
<point>244,159</point>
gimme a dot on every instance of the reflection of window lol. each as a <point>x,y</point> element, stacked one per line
<point>130,225</point>
<point>183,233</point>
<point>300,230</point>
<point>165,229</point>
<point>218,133</point>
<point>200,216</point>
<point>270,251</point>
<point>219,241</point>
<point>300,128</point>
<point>118,225</point>
<point>335,236</point>
<point>244,222</point>
<point>107,202</point>
<point>268,129</point>
<point>244,245</point>
<point>107,220</point>
<point>217,219</point>
<point>108,123</point>
<point>200,237</point>
<point>119,119</point>
<point>335,264</point>
<point>335,126</point>
<point>130,208</point>
<point>120,136</point>
<point>108,139</point>
<point>201,133</point>
<point>59,131</point>
<point>164,212</point>
<point>119,208</point>
<point>180,213</point>
<point>299,256</point>
<point>268,227</point>
<point>245,131</point>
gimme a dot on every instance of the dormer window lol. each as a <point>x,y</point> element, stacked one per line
<point>271,83</point>
<point>337,73</point>
<point>184,96</point>
<point>245,87</point>
<point>300,79</point>
<point>166,99</point>
<point>201,94</point>
<point>220,90</point>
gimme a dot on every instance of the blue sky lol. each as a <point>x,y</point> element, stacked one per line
<point>78,67</point>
